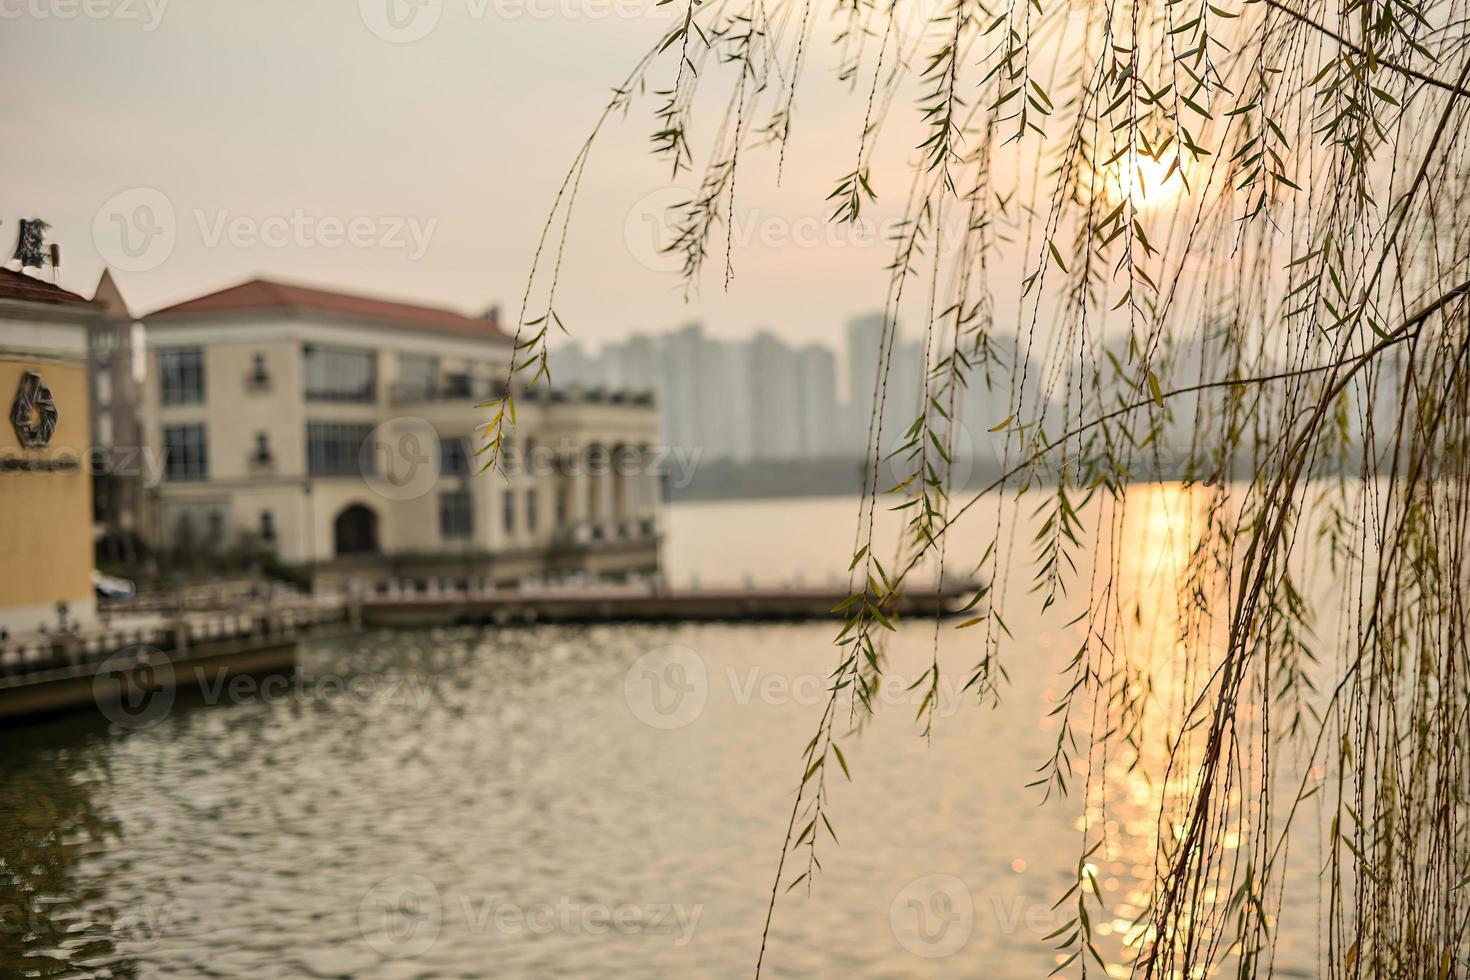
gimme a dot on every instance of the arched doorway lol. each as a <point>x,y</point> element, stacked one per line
<point>355,531</point>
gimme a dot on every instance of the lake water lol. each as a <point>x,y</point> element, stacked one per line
<point>606,801</point>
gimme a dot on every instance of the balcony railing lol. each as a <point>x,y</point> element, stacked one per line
<point>453,389</point>
<point>479,390</point>
<point>586,534</point>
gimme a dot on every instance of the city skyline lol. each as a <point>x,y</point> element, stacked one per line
<point>805,400</point>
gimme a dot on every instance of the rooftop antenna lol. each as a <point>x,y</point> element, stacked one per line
<point>30,244</point>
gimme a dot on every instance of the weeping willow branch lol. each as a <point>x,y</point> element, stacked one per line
<point>1218,241</point>
<point>1369,57</point>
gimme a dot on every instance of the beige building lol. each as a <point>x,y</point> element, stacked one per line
<point>46,500</point>
<point>341,432</point>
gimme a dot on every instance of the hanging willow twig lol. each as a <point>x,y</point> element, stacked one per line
<point>1220,241</point>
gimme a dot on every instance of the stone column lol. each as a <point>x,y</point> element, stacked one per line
<point>632,477</point>
<point>651,489</point>
<point>606,517</point>
<point>577,494</point>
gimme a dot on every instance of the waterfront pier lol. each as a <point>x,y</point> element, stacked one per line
<point>46,674</point>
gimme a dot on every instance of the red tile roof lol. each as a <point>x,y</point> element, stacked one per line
<point>21,286</point>
<point>262,294</point>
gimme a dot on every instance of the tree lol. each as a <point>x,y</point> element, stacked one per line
<point>1241,218</point>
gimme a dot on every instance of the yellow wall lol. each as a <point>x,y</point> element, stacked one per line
<point>46,517</point>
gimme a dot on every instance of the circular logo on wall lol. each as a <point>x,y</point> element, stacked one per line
<point>33,413</point>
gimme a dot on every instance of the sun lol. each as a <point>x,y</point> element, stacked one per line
<point>1145,181</point>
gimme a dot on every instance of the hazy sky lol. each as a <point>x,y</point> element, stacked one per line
<point>291,139</point>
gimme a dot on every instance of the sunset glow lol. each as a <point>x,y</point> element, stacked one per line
<point>1146,182</point>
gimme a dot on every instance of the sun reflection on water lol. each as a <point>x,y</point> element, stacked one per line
<point>1159,656</point>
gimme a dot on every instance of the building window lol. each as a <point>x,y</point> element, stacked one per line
<point>185,452</point>
<point>262,448</point>
<point>418,375</point>
<point>260,376</point>
<point>456,514</point>
<point>181,376</point>
<point>459,385</point>
<point>335,448</point>
<point>334,375</point>
<point>453,459</point>
<point>531,511</point>
<point>267,527</point>
<point>508,511</point>
<point>561,507</point>
<point>104,386</point>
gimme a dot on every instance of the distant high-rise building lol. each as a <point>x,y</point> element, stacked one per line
<point>681,369</point>
<point>762,398</point>
<point>725,402</point>
<point>899,387</point>
<point>572,367</point>
<point>864,343</point>
<point>775,412</point>
<point>817,401</point>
